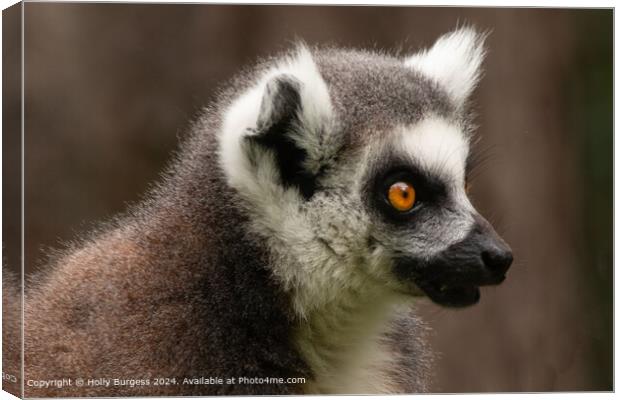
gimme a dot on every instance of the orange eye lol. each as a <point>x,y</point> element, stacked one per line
<point>401,196</point>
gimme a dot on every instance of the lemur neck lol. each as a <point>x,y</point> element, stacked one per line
<point>343,342</point>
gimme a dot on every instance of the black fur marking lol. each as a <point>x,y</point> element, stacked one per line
<point>278,117</point>
<point>452,277</point>
<point>431,192</point>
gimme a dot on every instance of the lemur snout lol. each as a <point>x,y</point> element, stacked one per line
<point>453,276</point>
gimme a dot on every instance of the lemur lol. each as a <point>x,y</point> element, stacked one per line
<point>312,203</point>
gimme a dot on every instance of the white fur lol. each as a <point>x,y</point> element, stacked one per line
<point>454,62</point>
<point>276,208</point>
<point>437,146</point>
<point>441,147</point>
<point>242,115</point>
<point>345,344</point>
<point>306,267</point>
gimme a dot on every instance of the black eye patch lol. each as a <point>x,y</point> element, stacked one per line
<point>430,191</point>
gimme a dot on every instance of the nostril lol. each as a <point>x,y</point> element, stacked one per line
<point>497,261</point>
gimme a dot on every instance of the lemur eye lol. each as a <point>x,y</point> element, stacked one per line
<point>467,187</point>
<point>401,196</point>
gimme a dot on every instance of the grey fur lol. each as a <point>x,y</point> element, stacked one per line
<point>374,93</point>
<point>185,285</point>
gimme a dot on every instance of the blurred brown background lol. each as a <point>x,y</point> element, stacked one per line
<point>111,87</point>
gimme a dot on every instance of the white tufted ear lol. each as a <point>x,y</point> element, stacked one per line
<point>286,115</point>
<point>454,62</point>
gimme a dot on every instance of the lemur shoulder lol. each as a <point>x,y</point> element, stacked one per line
<point>320,195</point>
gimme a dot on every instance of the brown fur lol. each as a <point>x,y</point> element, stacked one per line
<point>175,288</point>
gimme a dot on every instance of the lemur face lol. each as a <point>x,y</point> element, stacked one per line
<point>436,241</point>
<point>353,166</point>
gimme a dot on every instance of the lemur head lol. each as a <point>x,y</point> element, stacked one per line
<point>353,165</point>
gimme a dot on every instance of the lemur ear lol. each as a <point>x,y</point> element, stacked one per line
<point>278,129</point>
<point>454,62</point>
<point>280,102</point>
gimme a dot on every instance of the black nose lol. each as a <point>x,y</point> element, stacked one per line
<point>495,253</point>
<point>497,260</point>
